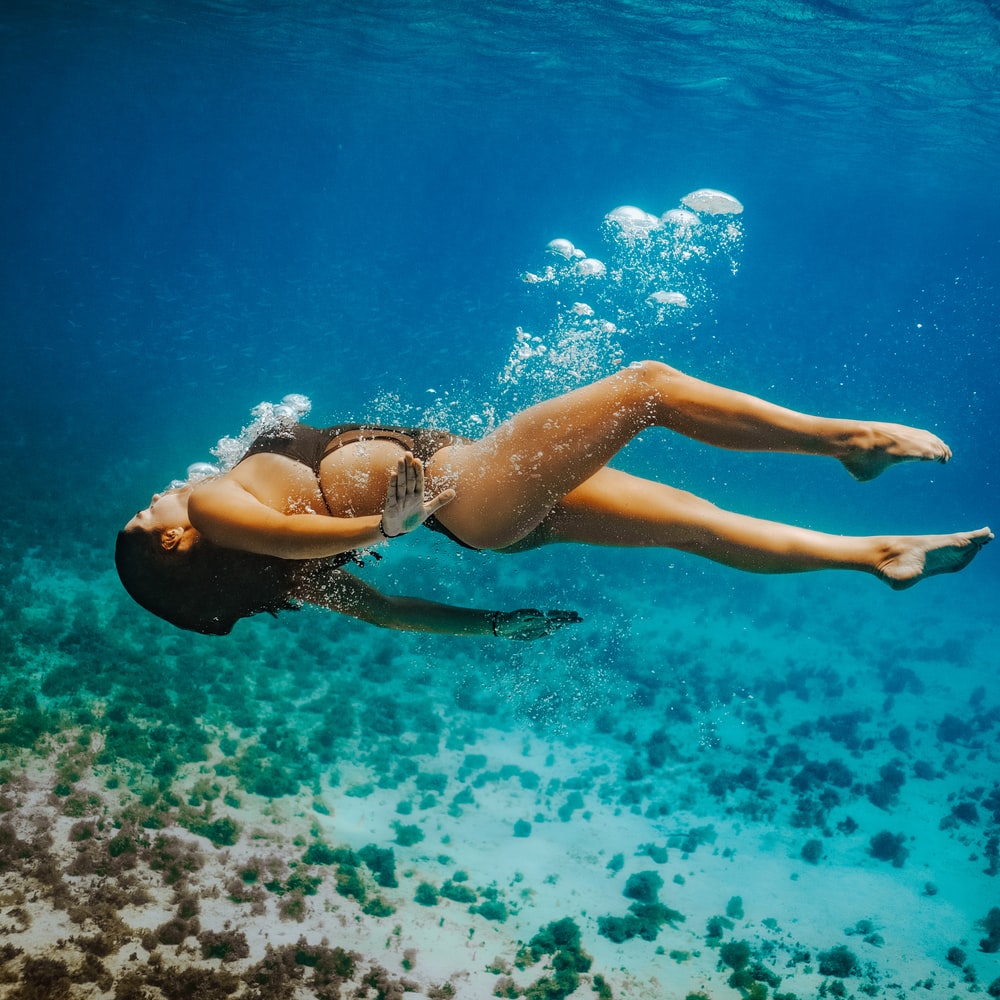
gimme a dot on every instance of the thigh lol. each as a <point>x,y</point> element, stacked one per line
<point>499,498</point>
<point>508,482</point>
<point>615,508</point>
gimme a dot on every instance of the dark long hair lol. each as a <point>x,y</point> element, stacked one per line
<point>207,588</point>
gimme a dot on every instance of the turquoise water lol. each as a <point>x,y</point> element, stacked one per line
<point>210,205</point>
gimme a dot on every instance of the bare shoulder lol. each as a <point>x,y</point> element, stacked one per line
<point>225,512</point>
<point>209,495</point>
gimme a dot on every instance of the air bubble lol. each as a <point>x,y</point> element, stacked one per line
<point>561,247</point>
<point>634,223</point>
<point>201,470</point>
<point>591,267</point>
<point>708,201</point>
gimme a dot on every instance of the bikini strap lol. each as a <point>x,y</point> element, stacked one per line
<point>371,433</point>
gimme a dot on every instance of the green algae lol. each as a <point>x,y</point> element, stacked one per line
<point>560,940</point>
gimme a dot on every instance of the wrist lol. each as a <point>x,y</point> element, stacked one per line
<point>385,534</point>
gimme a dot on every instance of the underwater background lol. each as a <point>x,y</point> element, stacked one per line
<point>718,785</point>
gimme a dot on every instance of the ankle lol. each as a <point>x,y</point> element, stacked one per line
<point>851,438</point>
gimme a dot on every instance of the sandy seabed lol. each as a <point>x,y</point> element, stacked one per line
<point>717,802</point>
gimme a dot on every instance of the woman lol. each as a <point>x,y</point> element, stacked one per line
<point>273,532</point>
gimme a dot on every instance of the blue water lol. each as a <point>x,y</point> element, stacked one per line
<point>208,204</point>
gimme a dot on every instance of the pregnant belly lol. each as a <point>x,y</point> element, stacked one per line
<point>355,478</point>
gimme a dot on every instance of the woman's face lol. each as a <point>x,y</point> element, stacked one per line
<point>165,511</point>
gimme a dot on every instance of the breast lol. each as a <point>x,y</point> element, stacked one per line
<point>280,483</point>
<point>355,477</point>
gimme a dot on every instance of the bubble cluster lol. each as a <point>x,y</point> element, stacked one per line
<point>655,272</point>
<point>571,690</point>
<point>267,417</point>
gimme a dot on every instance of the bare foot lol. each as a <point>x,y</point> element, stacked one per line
<point>879,445</point>
<point>910,559</point>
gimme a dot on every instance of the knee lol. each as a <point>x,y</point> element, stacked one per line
<point>655,371</point>
<point>655,380</point>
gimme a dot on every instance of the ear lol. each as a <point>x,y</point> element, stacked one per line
<point>171,538</point>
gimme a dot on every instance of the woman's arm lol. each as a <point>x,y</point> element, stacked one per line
<point>348,595</point>
<point>228,514</point>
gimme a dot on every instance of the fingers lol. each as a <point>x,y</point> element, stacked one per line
<point>405,509</point>
<point>443,498</point>
<point>408,479</point>
<point>561,618</point>
<point>527,624</point>
<point>414,475</point>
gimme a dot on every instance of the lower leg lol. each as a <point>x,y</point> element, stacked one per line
<point>726,418</point>
<point>613,508</point>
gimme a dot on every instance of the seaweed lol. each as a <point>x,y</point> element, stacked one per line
<point>735,954</point>
<point>228,946</point>
<point>956,956</point>
<point>812,851</point>
<point>492,909</point>
<point>173,858</point>
<point>426,894</point>
<point>381,862</point>
<point>222,832</point>
<point>688,842</point>
<point>43,979</point>
<point>181,983</point>
<point>655,852</point>
<point>659,748</point>
<point>319,853</point>
<point>839,961</point>
<point>952,729</point>
<point>27,727</point>
<point>262,772</point>
<point>888,846</point>
<point>458,893</point>
<point>991,924</point>
<point>965,812</point>
<point>462,798</point>
<point>428,782</point>
<point>561,940</point>
<point>884,793</point>
<point>643,920</point>
<point>297,883</point>
<point>407,834</point>
<point>643,886</point>
<point>645,917</point>
<point>843,728</point>
<point>992,851</point>
<point>573,802</point>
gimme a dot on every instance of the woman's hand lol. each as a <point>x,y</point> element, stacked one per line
<point>530,623</point>
<point>405,509</point>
